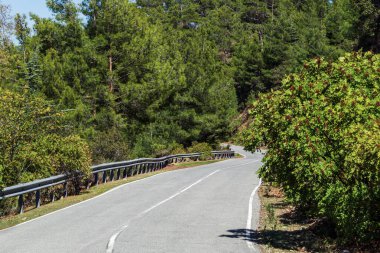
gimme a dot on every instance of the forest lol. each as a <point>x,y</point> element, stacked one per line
<point>109,80</point>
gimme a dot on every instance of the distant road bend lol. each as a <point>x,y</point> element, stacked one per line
<point>205,209</point>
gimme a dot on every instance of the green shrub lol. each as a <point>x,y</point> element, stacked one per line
<point>146,146</point>
<point>1,177</point>
<point>322,131</point>
<point>109,146</point>
<point>201,147</point>
<point>33,142</point>
<point>178,149</point>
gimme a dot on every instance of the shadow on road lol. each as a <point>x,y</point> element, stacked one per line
<point>280,239</point>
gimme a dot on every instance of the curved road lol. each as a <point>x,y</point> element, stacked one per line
<point>199,210</point>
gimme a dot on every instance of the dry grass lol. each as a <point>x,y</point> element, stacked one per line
<point>283,229</point>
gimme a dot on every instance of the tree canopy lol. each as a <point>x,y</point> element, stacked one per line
<point>144,78</point>
<point>322,130</point>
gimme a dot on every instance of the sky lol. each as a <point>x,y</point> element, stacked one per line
<point>26,6</point>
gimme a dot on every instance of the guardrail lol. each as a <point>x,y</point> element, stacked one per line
<point>116,171</point>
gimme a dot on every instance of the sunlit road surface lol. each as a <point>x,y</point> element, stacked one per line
<point>201,209</point>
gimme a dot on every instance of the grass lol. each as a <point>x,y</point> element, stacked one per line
<point>32,213</point>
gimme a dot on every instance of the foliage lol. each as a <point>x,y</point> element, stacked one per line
<point>5,24</point>
<point>109,146</point>
<point>161,73</point>
<point>367,24</point>
<point>322,130</point>
<point>34,143</point>
<point>147,78</point>
<point>201,147</point>
<point>178,149</point>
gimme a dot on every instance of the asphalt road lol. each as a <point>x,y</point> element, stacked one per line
<point>199,210</point>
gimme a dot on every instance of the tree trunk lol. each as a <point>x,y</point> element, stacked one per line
<point>110,76</point>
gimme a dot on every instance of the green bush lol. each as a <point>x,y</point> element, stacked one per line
<point>1,177</point>
<point>178,149</point>
<point>146,146</point>
<point>322,130</point>
<point>109,146</point>
<point>33,143</point>
<point>201,147</point>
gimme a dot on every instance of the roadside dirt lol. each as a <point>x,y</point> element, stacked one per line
<point>283,229</point>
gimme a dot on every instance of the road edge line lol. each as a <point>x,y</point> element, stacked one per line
<point>98,196</point>
<point>250,244</point>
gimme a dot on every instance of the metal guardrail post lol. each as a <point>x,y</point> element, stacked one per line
<point>96,178</point>
<point>38,198</point>
<point>52,196</point>
<point>21,204</point>
<point>112,175</point>
<point>135,171</point>
<point>125,173</point>
<point>64,190</point>
<point>144,168</point>
<point>104,177</point>
<point>118,174</point>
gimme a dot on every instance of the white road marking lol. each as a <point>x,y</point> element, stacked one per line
<point>98,196</point>
<point>111,242</point>
<point>250,244</point>
<point>101,195</point>
<point>87,200</point>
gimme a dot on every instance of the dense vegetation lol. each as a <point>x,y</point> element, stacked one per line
<point>119,80</point>
<point>32,145</point>
<point>322,129</point>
